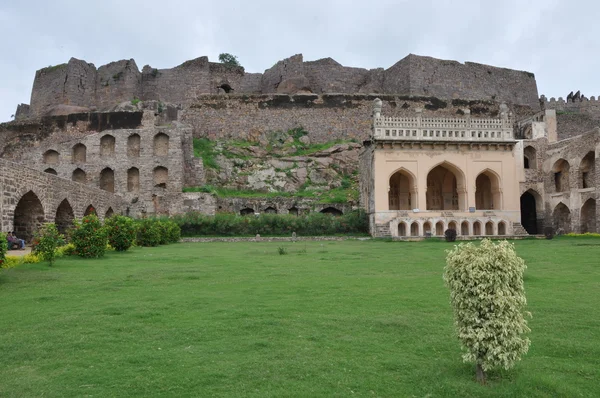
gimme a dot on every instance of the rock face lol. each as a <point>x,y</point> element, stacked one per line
<point>78,83</point>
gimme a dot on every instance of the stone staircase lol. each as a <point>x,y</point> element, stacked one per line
<point>518,229</point>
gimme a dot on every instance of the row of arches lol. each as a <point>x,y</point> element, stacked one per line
<point>292,211</point>
<point>160,178</point>
<point>107,149</point>
<point>467,228</point>
<point>532,215</point>
<point>446,189</point>
<point>29,215</point>
<point>561,171</point>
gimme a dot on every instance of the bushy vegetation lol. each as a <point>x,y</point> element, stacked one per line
<point>488,298</point>
<point>121,232</point>
<point>3,248</point>
<point>450,235</point>
<point>313,224</point>
<point>89,237</point>
<point>154,232</point>
<point>48,239</point>
<point>584,235</point>
<point>205,149</point>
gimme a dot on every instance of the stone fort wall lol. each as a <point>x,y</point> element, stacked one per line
<point>80,84</point>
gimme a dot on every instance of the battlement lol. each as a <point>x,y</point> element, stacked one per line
<point>78,84</point>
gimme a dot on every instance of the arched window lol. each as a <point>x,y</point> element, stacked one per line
<point>561,216</point>
<point>561,175</point>
<point>79,176</point>
<point>133,146</point>
<point>161,177</point>
<point>133,179</point>
<point>587,168</point>
<point>530,159</point>
<point>161,144</point>
<point>79,154</point>
<point>51,157</point>
<point>107,146</point>
<point>107,180</point>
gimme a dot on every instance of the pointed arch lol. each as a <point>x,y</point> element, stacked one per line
<point>402,190</point>
<point>489,228</point>
<point>402,229</point>
<point>531,205</point>
<point>477,228</point>
<point>51,157</point>
<point>246,211</point>
<point>133,180</point>
<point>107,145</point>
<point>78,153</point>
<point>160,176</point>
<point>439,228</point>
<point>446,187</point>
<point>64,216</point>
<point>414,229</point>
<point>107,179</point>
<point>133,146</point>
<point>270,210</point>
<point>79,176</point>
<point>109,213</point>
<point>488,190</point>
<point>501,228</point>
<point>464,228</point>
<point>161,144</point>
<point>561,217</point>
<point>29,216</point>
<point>587,170</point>
<point>561,170</point>
<point>588,222</point>
<point>530,157</point>
<point>90,210</point>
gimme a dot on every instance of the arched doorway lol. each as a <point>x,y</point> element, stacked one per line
<point>502,228</point>
<point>109,213</point>
<point>588,220</point>
<point>452,225</point>
<point>439,228</point>
<point>426,228</point>
<point>29,216</point>
<point>561,216</point>
<point>270,210</point>
<point>445,188</point>
<point>529,212</point>
<point>487,191</point>
<point>64,216</point>
<point>402,191</point>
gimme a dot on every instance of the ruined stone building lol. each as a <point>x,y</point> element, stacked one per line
<point>447,145</point>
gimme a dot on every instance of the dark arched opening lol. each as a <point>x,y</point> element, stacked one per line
<point>331,211</point>
<point>247,211</point>
<point>64,216</point>
<point>561,217</point>
<point>90,210</point>
<point>29,216</point>
<point>51,171</point>
<point>401,191</point>
<point>529,213</point>
<point>293,211</point>
<point>588,216</point>
<point>270,210</point>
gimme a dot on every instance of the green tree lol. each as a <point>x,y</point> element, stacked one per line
<point>48,239</point>
<point>488,298</point>
<point>229,59</point>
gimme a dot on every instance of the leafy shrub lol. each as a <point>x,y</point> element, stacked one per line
<point>173,231</point>
<point>313,224</point>
<point>281,250</point>
<point>584,235</point>
<point>65,250</point>
<point>89,237</point>
<point>148,233</point>
<point>12,261</point>
<point>121,232</point>
<point>450,235</point>
<point>31,258</point>
<point>48,239</point>
<point>488,298</point>
<point>549,232</point>
<point>3,248</point>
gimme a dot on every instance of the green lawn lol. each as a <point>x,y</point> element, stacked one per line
<point>352,318</point>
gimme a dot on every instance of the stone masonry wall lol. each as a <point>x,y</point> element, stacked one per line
<point>16,180</point>
<point>80,84</point>
<point>326,117</point>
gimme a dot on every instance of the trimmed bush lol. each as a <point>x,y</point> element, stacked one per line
<point>121,232</point>
<point>173,231</point>
<point>450,235</point>
<point>89,237</point>
<point>149,232</point>
<point>488,298</point>
<point>48,240</point>
<point>12,261</point>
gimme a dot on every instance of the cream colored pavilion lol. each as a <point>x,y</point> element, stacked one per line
<point>423,175</point>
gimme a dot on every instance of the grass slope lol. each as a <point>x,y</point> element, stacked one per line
<point>328,319</point>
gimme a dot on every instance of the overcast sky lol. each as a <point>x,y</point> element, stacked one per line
<point>556,40</point>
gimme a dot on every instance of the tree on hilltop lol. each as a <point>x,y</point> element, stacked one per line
<point>488,298</point>
<point>229,59</point>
